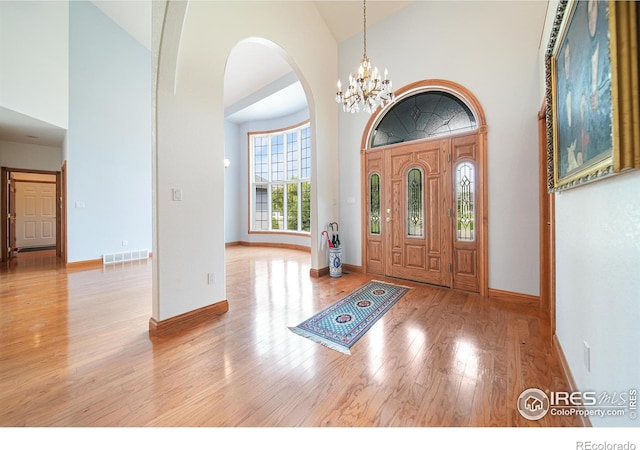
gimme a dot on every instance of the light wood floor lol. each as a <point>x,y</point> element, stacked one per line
<point>75,351</point>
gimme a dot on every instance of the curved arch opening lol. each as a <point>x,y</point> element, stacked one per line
<point>434,229</point>
<point>264,93</point>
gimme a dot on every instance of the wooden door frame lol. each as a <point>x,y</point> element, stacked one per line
<point>60,207</point>
<point>472,102</point>
<point>547,227</point>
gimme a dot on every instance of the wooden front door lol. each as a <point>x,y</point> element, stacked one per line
<point>409,231</point>
<point>419,199</point>
<point>417,204</point>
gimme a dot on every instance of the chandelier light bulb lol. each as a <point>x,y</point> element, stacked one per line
<point>365,89</point>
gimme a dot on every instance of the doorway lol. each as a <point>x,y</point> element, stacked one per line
<point>33,205</point>
<point>424,188</point>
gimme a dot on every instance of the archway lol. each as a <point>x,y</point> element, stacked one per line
<point>424,184</point>
<point>269,104</point>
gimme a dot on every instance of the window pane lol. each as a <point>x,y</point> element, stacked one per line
<point>421,116</point>
<point>277,158</point>
<point>292,156</point>
<point>281,163</point>
<point>465,188</point>
<point>306,206</point>
<point>292,207</point>
<point>261,213</point>
<point>374,187</point>
<point>277,207</point>
<point>261,155</point>
<point>306,152</point>
<point>415,217</point>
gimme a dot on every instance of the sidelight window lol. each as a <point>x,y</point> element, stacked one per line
<point>465,196</point>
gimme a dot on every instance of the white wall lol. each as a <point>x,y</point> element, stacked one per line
<point>30,156</point>
<point>108,144</point>
<point>235,179</point>
<point>190,134</point>
<point>491,48</point>
<point>598,279</point>
<point>34,50</point>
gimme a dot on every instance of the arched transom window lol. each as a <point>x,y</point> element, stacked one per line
<point>423,115</point>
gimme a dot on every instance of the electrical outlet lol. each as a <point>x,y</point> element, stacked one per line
<point>211,278</point>
<point>587,356</point>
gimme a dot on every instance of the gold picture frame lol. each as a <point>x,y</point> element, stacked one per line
<point>592,95</point>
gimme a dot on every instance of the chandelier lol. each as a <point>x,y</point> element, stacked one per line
<point>366,90</point>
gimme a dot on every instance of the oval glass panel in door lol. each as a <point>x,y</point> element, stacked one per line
<point>415,209</point>
<point>465,195</point>
<point>374,199</point>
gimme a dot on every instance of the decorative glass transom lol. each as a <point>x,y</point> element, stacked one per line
<point>374,196</point>
<point>421,116</point>
<point>465,194</point>
<point>415,214</point>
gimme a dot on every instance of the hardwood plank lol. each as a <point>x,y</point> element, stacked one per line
<point>75,351</point>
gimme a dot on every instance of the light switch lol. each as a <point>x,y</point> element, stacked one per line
<point>176,195</point>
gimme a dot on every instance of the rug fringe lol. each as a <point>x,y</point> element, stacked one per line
<point>321,341</point>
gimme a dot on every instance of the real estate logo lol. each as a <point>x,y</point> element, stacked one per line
<point>533,404</point>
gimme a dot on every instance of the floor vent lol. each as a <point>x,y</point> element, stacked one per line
<point>121,257</point>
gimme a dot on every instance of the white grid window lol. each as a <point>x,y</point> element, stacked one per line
<point>280,180</point>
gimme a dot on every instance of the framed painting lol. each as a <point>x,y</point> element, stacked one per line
<point>592,92</point>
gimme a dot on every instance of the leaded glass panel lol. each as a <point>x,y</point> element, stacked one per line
<point>421,116</point>
<point>415,209</point>
<point>374,193</point>
<point>465,195</point>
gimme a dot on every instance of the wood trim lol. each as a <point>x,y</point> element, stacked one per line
<point>4,212</point>
<point>61,219</point>
<point>347,268</point>
<point>188,319</point>
<point>352,268</point>
<point>86,265</point>
<point>564,365</point>
<point>62,242</point>
<point>317,273</point>
<point>515,297</point>
<point>268,244</point>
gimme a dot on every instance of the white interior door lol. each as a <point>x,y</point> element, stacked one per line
<point>35,214</point>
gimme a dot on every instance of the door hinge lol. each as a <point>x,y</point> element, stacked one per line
<point>448,157</point>
<point>450,213</point>
<point>450,267</point>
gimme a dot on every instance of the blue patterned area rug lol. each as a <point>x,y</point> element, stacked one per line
<point>341,325</point>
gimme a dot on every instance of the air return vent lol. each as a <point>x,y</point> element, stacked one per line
<point>121,257</point>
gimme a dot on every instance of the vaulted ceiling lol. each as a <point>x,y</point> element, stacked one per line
<point>282,96</point>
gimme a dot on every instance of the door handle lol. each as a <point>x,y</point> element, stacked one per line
<point>389,219</point>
